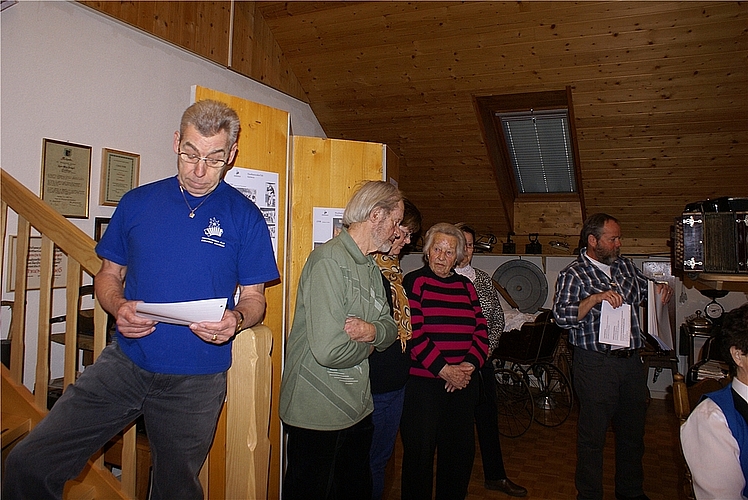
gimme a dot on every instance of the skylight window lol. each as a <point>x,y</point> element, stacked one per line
<point>540,150</point>
<point>531,143</point>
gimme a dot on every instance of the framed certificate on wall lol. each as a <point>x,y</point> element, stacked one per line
<point>119,174</point>
<point>100,225</point>
<point>66,172</point>
<point>33,270</point>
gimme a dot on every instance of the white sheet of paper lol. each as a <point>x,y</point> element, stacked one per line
<point>658,319</point>
<point>183,313</point>
<point>615,325</point>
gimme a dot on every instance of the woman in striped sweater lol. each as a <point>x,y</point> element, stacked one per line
<point>450,342</point>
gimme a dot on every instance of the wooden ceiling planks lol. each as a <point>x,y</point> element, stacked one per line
<point>658,91</point>
<point>654,84</point>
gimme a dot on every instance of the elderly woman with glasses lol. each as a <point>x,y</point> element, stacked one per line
<point>450,342</point>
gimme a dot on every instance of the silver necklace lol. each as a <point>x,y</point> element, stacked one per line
<point>193,210</point>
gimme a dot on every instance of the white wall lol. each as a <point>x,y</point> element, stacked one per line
<point>72,74</point>
<point>694,300</point>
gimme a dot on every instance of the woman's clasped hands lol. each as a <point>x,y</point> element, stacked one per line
<point>457,376</point>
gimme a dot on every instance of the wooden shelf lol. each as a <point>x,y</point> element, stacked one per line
<point>717,281</point>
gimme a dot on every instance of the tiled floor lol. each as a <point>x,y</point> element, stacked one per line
<point>543,461</point>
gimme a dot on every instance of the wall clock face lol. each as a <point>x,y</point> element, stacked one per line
<point>714,310</point>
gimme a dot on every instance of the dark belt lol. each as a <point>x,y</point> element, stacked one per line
<point>621,353</point>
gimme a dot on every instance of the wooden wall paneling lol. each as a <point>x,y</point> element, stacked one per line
<point>642,246</point>
<point>658,89</point>
<point>263,145</point>
<point>203,28</point>
<point>243,39</point>
<point>200,27</point>
<point>564,218</point>
<point>665,129</point>
<point>392,165</point>
<point>645,170</point>
<point>266,64</point>
<point>256,54</point>
<point>325,173</point>
<point>569,23</point>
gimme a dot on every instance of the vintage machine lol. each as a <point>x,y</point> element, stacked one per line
<point>710,236</point>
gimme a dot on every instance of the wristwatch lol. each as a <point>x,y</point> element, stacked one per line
<point>241,321</point>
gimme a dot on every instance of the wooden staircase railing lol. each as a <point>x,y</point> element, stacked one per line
<point>239,459</point>
<point>56,231</point>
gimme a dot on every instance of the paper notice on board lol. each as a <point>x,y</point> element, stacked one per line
<point>326,224</point>
<point>615,325</point>
<point>183,313</point>
<point>261,188</point>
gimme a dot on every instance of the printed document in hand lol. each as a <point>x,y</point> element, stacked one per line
<point>615,325</point>
<point>658,319</point>
<point>183,313</point>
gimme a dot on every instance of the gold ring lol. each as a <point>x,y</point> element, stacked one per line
<point>215,337</point>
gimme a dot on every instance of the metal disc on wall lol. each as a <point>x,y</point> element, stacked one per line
<point>525,282</point>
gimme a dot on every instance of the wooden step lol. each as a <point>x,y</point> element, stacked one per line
<point>75,490</point>
<point>14,427</point>
<point>19,414</point>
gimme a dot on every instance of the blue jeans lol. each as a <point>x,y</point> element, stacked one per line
<point>388,408</point>
<point>180,413</point>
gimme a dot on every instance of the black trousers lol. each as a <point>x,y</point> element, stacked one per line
<point>487,426</point>
<point>441,422</point>
<point>613,391</point>
<point>329,465</point>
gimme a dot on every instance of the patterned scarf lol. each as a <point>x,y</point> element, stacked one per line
<point>390,267</point>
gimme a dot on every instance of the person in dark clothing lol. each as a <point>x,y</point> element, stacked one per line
<point>486,411</point>
<point>609,379</point>
<point>450,342</point>
<point>388,370</point>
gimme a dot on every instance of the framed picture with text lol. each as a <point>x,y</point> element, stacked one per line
<point>119,174</point>
<point>66,173</point>
<point>100,225</point>
<point>33,269</point>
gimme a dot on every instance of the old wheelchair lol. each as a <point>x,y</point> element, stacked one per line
<point>532,371</point>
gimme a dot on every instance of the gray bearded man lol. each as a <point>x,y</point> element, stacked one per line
<point>341,316</point>
<point>610,383</point>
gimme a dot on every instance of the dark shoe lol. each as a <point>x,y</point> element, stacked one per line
<point>506,486</point>
<point>640,497</point>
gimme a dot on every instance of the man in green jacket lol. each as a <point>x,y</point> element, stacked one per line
<point>341,316</point>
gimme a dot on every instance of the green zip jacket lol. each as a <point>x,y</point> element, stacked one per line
<point>325,382</point>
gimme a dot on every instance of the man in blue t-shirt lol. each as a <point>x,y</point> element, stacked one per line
<point>188,237</point>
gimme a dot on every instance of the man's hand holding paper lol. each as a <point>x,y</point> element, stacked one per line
<point>130,324</point>
<point>615,325</point>
<point>206,318</point>
<point>216,332</point>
